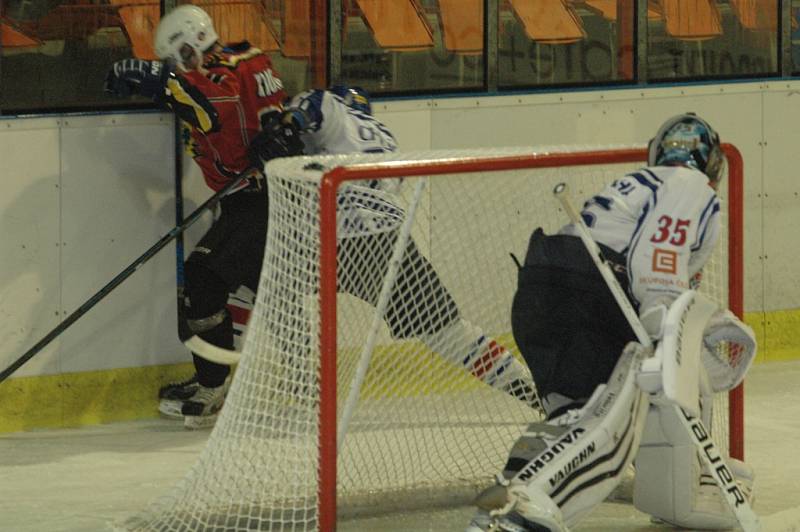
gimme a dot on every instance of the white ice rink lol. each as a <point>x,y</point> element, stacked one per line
<point>81,480</point>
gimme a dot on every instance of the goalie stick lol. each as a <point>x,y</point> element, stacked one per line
<point>706,448</point>
<point>124,274</point>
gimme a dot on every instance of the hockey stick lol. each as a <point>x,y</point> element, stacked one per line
<point>706,448</point>
<point>179,252</point>
<point>214,353</point>
<point>211,352</point>
<point>124,274</point>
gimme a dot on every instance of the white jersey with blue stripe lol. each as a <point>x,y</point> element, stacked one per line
<point>336,128</point>
<point>365,207</point>
<point>665,220</point>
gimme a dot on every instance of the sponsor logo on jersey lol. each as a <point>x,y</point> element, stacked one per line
<point>267,83</point>
<point>665,261</point>
<point>536,465</point>
<point>664,282</point>
<point>573,464</point>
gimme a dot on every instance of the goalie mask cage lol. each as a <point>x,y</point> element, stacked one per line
<point>329,346</point>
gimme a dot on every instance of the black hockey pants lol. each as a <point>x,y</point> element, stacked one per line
<point>565,320</point>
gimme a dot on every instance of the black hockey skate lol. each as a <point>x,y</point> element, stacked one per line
<point>173,395</point>
<point>180,391</point>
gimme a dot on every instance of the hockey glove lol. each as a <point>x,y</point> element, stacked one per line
<point>129,77</point>
<point>279,137</point>
<point>730,350</point>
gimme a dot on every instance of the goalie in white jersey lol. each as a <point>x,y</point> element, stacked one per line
<point>340,121</point>
<point>657,227</point>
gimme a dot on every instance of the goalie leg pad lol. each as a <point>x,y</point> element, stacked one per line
<point>670,482</point>
<point>581,455</point>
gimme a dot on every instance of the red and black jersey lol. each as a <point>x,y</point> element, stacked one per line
<point>223,108</point>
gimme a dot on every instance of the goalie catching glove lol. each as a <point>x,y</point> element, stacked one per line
<point>728,344</point>
<point>730,347</point>
<point>129,77</point>
<point>279,137</point>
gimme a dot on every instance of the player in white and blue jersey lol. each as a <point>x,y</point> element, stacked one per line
<point>339,121</point>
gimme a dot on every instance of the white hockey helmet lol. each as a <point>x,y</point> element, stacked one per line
<point>184,32</point>
<point>688,140</point>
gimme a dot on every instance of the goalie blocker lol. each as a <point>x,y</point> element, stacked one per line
<point>560,470</point>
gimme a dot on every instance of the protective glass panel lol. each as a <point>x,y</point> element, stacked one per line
<point>55,55</point>
<point>709,38</point>
<point>292,32</point>
<point>795,37</point>
<point>413,45</point>
<point>555,42</point>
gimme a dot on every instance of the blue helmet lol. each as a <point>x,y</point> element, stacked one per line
<point>688,140</point>
<point>355,97</point>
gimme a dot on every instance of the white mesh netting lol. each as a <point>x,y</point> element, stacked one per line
<point>434,417</point>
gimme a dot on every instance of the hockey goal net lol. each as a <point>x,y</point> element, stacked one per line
<point>362,350</point>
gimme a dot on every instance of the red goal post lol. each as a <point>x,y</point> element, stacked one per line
<point>334,178</point>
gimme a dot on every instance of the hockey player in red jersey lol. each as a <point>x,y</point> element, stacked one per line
<point>220,92</point>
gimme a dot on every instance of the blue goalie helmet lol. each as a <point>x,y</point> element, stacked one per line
<point>688,140</point>
<point>355,97</point>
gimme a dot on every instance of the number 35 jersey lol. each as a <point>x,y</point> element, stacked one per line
<point>664,220</point>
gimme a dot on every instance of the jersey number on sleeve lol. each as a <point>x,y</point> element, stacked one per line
<point>623,186</point>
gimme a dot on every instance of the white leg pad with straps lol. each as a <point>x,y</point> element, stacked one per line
<point>575,461</point>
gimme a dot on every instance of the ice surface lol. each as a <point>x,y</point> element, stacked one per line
<point>80,480</point>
